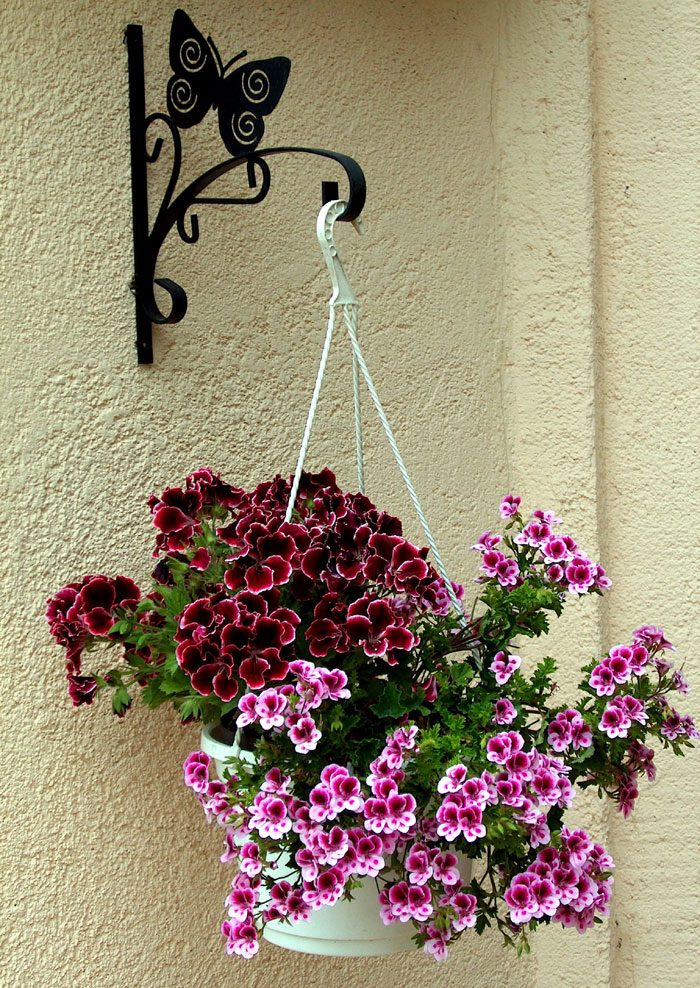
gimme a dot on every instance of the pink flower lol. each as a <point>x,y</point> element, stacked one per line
<point>487,541</point>
<point>269,816</point>
<point>335,682</point>
<point>492,559</point>
<point>568,728</point>
<point>454,779</point>
<point>303,733</point>
<point>400,812</point>
<point>504,712</point>
<point>619,663</point>
<point>615,722</point>
<point>627,794</point>
<point>510,791</point>
<point>418,864</point>
<point>555,573</point>
<point>509,506</point>
<point>420,904</point>
<point>555,550</point>
<point>642,759</point>
<point>321,800</point>
<point>580,574</point>
<point>436,942</point>
<point>539,832</point>
<point>445,868</point>
<point>545,897</point>
<point>345,792</point>
<point>325,890</point>
<point>275,782</point>
<point>332,845</point>
<point>559,734</point>
<point>653,637</point>
<point>196,768</point>
<point>548,517</point>
<point>535,533</point>
<point>270,708</point>
<point>503,666</point>
<point>249,862</point>
<point>581,735</point>
<point>297,909</point>
<point>507,573</point>
<point>464,906</point>
<point>240,902</point>
<point>520,899</point>
<point>230,847</point>
<point>680,683</point>
<point>602,679</point>
<point>405,738</point>
<point>673,726</point>
<point>519,766</point>
<point>500,747</point>
<point>369,854</point>
<point>242,938</point>
<point>247,706</point>
<point>632,707</point>
<point>578,844</point>
<point>546,786</point>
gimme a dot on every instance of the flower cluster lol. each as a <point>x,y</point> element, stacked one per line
<point>570,884</point>
<point>80,612</point>
<point>382,736</point>
<point>250,593</point>
<point>559,557</point>
<point>290,706</point>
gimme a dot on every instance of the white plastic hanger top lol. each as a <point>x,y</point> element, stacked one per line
<point>342,289</point>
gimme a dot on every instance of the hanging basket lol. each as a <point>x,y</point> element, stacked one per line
<point>350,928</point>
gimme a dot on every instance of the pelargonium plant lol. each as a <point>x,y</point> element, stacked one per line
<point>384,737</point>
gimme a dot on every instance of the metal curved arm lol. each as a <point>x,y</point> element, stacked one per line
<point>173,214</point>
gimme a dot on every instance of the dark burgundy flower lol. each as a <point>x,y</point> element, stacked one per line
<point>175,517</point>
<point>81,689</point>
<point>201,559</point>
<point>378,565</point>
<point>373,624</point>
<point>224,641</point>
<point>327,631</point>
<point>84,610</point>
<point>212,489</point>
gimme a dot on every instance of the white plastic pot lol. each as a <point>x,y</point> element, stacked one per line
<point>347,929</point>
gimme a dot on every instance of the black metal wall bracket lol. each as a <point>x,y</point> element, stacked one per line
<point>242,98</point>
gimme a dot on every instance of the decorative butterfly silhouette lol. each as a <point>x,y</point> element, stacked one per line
<point>242,98</point>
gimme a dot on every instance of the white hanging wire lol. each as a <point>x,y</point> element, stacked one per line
<point>312,414</point>
<point>349,305</point>
<point>350,316</point>
<point>358,424</point>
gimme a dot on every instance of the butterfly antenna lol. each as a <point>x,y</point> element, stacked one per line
<point>216,54</point>
<point>241,54</point>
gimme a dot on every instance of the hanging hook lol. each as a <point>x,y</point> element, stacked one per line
<point>342,289</point>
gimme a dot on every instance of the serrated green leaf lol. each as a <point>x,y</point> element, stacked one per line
<point>389,703</point>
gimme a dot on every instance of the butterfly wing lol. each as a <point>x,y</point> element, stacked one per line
<point>192,89</point>
<point>247,95</point>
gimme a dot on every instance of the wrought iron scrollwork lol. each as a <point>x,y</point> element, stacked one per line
<point>242,98</point>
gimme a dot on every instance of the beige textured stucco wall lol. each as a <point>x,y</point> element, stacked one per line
<point>529,284</point>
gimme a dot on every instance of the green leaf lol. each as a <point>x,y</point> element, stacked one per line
<point>191,707</point>
<point>389,703</point>
<point>121,701</point>
<point>152,695</point>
